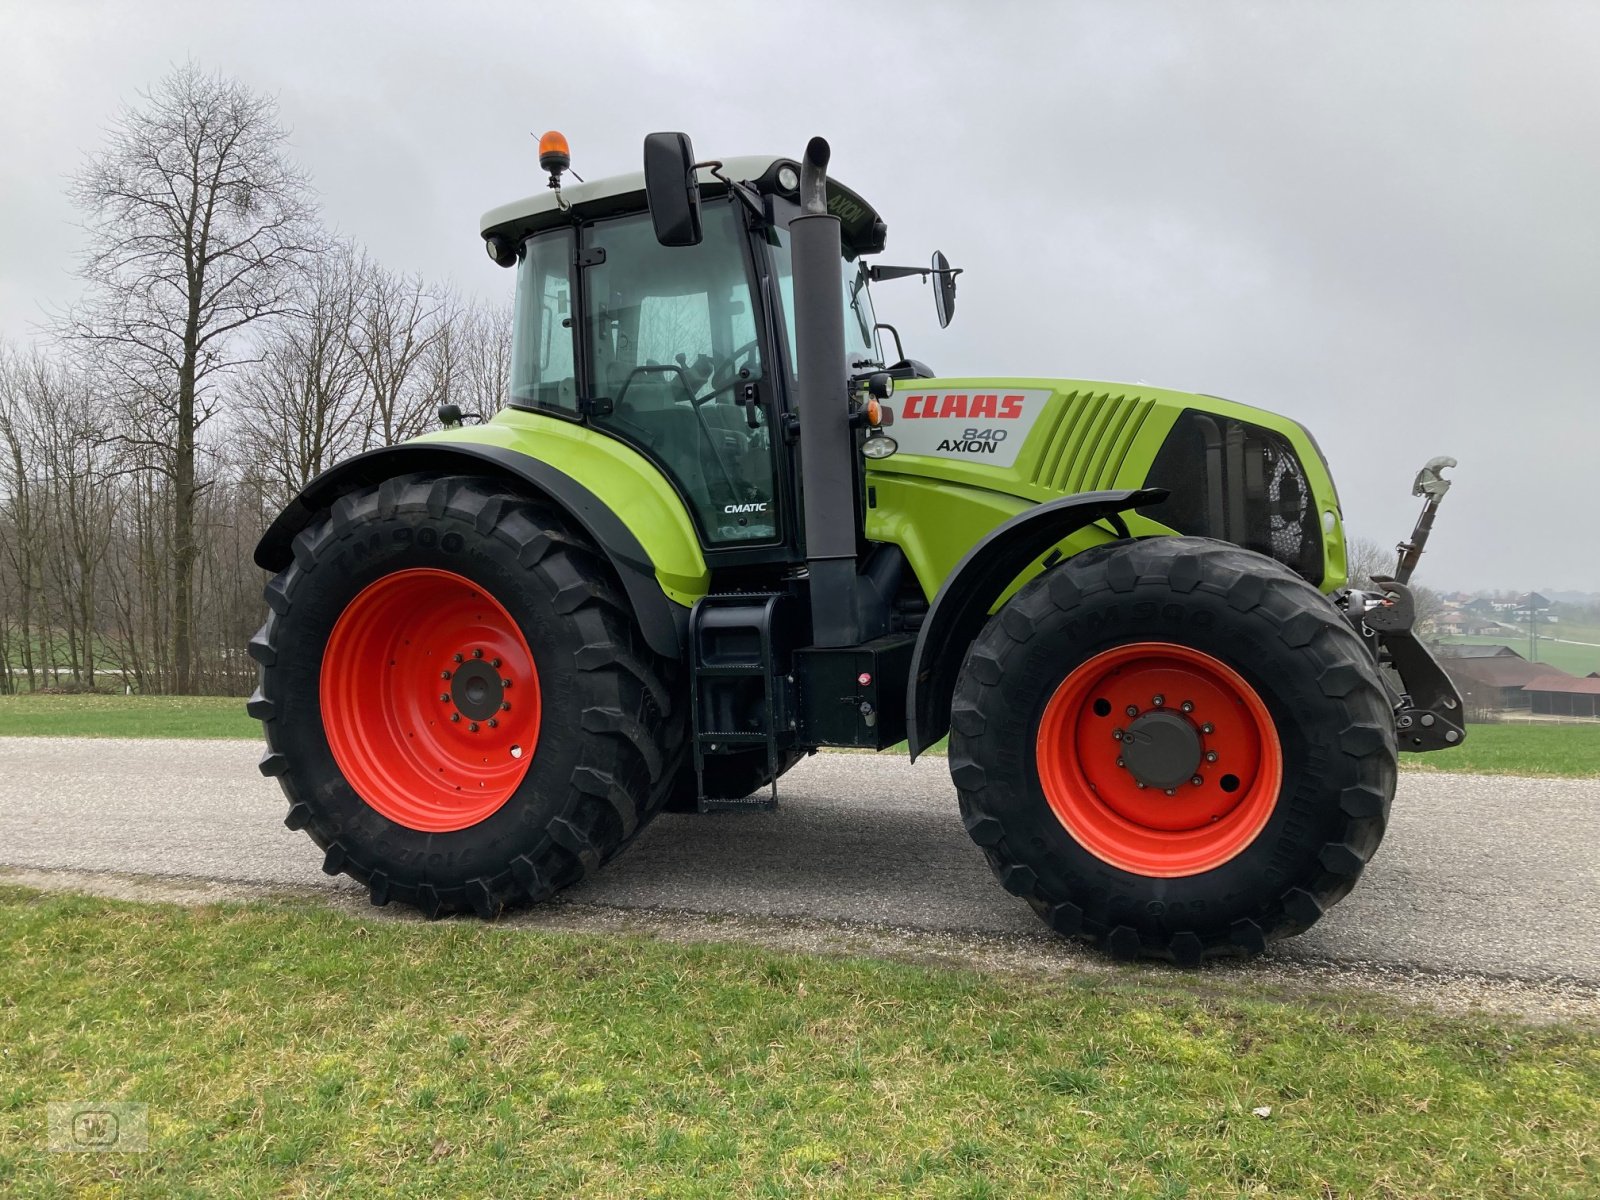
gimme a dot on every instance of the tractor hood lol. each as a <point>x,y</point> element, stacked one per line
<point>1233,472</point>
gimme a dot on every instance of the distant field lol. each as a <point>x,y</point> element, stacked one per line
<point>126,716</point>
<point>1575,660</point>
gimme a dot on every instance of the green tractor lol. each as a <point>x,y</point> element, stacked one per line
<point>719,527</point>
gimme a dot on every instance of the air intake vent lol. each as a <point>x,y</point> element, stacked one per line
<point>1085,450</point>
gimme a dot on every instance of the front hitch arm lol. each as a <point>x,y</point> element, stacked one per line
<point>1428,710</point>
<point>1428,713</point>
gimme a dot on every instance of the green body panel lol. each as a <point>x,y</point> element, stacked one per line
<point>1090,437</point>
<point>626,482</point>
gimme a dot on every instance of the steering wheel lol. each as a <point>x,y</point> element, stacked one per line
<point>729,366</point>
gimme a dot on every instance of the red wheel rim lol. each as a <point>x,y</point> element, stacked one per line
<point>430,700</point>
<point>1095,748</point>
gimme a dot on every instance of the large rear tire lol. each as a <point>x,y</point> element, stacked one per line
<point>455,699</point>
<point>1173,748</point>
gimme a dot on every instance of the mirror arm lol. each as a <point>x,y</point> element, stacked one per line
<point>748,197</point>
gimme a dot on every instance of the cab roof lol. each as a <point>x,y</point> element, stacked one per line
<point>862,229</point>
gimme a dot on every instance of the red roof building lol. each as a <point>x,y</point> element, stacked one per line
<point>1565,696</point>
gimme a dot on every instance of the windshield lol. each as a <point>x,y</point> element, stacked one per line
<point>860,339</point>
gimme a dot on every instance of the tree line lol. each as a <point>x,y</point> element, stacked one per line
<point>227,348</point>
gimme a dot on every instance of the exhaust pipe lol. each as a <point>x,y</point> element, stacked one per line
<point>827,443</point>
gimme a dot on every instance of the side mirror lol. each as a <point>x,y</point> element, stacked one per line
<point>671,189</point>
<point>944,289</point>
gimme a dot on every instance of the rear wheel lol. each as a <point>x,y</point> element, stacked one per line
<point>1174,748</point>
<point>455,700</point>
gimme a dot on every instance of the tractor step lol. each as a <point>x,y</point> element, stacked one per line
<point>763,801</point>
<point>742,647</point>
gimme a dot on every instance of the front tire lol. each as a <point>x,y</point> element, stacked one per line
<point>1173,748</point>
<point>455,699</point>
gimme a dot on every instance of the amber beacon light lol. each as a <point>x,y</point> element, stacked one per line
<point>554,156</point>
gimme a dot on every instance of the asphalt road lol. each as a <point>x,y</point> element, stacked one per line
<point>1478,875</point>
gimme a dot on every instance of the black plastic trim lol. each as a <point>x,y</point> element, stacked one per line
<point>663,623</point>
<point>962,606</point>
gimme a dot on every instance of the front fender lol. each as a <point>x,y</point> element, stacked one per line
<point>662,622</point>
<point>989,568</point>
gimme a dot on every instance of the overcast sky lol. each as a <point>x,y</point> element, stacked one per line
<point>1380,219</point>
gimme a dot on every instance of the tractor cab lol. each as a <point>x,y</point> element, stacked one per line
<point>682,343</point>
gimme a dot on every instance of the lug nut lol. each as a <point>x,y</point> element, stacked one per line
<point>1140,786</point>
<point>505,706</point>
<point>1197,781</point>
<point>1208,727</point>
<point>1132,710</point>
<point>1116,735</point>
<point>1122,762</point>
<point>505,683</point>
<point>472,728</point>
<point>1172,791</point>
<point>444,674</point>
<point>1211,756</point>
<point>1158,701</point>
<point>495,663</point>
<point>493,724</point>
<point>455,717</point>
<point>1187,706</point>
<point>444,697</point>
<point>455,658</point>
<point>477,653</point>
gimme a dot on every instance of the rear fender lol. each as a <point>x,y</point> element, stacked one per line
<point>981,578</point>
<point>662,622</point>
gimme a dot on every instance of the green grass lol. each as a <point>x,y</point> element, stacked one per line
<point>1575,660</point>
<point>293,1051</point>
<point>1572,751</point>
<point>1563,750</point>
<point>126,716</point>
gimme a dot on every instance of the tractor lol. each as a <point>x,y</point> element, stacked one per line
<point>719,526</point>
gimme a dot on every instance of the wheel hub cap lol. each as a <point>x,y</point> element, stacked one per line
<point>1162,749</point>
<point>476,690</point>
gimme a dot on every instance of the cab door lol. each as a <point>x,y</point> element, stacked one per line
<point>674,343</point>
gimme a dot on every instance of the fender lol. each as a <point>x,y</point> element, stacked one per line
<point>663,623</point>
<point>989,568</point>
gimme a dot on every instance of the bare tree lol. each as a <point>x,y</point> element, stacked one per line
<point>302,406</point>
<point>1366,558</point>
<point>398,322</point>
<point>469,359</point>
<point>198,225</point>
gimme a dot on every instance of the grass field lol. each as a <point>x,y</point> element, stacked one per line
<point>1562,750</point>
<point>126,716</point>
<point>292,1051</point>
<point>1572,751</point>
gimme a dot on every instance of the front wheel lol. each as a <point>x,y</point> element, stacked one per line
<point>1174,748</point>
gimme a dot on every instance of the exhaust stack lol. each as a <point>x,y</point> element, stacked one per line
<point>827,443</point>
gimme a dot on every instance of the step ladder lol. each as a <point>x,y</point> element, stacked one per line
<point>742,685</point>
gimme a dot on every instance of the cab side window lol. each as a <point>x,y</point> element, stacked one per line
<point>543,371</point>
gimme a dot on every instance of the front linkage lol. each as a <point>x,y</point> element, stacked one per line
<point>1427,707</point>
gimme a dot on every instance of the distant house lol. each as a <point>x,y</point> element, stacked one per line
<point>1497,682</point>
<point>1565,696</point>
<point>1448,651</point>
